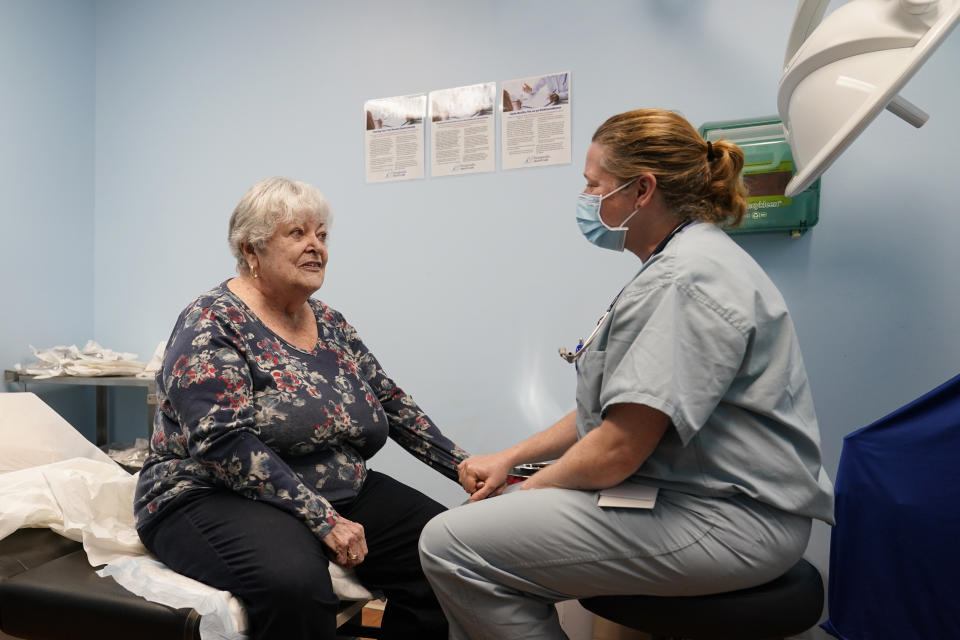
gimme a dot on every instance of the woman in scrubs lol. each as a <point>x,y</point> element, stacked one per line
<point>693,384</point>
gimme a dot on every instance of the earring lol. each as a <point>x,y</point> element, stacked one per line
<point>253,272</point>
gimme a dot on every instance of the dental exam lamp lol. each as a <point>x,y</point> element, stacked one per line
<point>841,72</point>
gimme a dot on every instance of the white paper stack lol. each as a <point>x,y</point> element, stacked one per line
<point>91,360</point>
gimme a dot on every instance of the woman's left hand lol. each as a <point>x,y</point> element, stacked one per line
<point>347,543</point>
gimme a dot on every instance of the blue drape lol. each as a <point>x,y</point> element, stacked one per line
<point>895,550</point>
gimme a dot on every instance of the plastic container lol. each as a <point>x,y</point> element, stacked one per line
<point>768,167</point>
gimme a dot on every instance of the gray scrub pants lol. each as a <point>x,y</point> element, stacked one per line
<point>499,565</point>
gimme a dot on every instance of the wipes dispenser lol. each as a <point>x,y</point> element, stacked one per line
<point>768,168</point>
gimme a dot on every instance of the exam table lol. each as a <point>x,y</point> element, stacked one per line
<point>67,544</point>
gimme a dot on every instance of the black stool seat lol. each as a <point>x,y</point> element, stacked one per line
<point>786,606</point>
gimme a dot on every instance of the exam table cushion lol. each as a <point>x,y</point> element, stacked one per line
<point>48,590</point>
<point>29,548</point>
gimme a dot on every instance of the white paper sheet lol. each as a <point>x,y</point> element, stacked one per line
<point>535,126</point>
<point>462,126</point>
<point>394,138</point>
<point>32,434</point>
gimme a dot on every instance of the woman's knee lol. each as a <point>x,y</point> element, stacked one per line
<point>291,585</point>
<point>286,605</point>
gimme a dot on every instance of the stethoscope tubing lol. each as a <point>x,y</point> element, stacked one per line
<point>583,344</point>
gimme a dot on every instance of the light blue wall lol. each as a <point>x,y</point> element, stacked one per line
<point>466,286</point>
<point>46,178</point>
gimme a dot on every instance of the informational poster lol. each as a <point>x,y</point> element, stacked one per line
<point>535,130</point>
<point>394,138</point>
<point>462,130</point>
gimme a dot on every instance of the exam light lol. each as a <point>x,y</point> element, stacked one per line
<point>842,71</point>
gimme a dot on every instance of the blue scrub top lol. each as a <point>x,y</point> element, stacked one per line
<point>703,335</point>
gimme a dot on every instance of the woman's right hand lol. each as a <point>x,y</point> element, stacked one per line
<point>484,475</point>
<point>347,543</point>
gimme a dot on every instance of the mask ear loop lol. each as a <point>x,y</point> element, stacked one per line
<point>600,217</point>
<point>620,188</point>
<point>622,226</point>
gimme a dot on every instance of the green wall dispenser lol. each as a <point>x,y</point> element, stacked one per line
<point>768,167</point>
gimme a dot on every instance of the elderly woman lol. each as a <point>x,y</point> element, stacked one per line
<point>269,407</point>
<point>692,384</point>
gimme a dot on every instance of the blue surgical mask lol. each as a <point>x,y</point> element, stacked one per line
<point>592,225</point>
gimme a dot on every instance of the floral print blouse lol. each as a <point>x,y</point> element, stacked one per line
<point>242,409</point>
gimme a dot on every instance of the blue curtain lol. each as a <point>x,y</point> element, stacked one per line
<point>895,550</point>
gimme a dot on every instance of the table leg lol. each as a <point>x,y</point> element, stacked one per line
<point>101,416</point>
<point>151,409</point>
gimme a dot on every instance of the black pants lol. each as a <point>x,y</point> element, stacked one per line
<point>277,568</point>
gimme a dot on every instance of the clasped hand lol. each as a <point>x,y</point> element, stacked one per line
<point>483,476</point>
<point>347,543</point>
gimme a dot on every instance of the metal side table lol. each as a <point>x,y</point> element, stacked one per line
<point>101,384</point>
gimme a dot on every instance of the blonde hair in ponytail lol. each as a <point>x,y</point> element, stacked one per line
<point>698,180</point>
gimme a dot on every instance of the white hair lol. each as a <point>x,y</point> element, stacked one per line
<point>268,204</point>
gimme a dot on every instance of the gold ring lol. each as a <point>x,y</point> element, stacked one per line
<point>354,556</point>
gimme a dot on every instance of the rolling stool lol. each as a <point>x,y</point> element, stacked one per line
<point>786,606</point>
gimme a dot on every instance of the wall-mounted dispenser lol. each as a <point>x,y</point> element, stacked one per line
<point>768,168</point>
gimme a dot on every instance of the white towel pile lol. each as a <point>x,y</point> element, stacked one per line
<point>91,360</point>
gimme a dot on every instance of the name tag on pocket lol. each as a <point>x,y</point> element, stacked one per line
<point>628,495</point>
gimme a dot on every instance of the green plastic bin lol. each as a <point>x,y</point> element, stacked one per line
<point>767,169</point>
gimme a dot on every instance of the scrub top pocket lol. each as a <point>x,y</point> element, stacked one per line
<point>589,381</point>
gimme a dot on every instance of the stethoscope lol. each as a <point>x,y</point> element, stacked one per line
<point>582,345</point>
